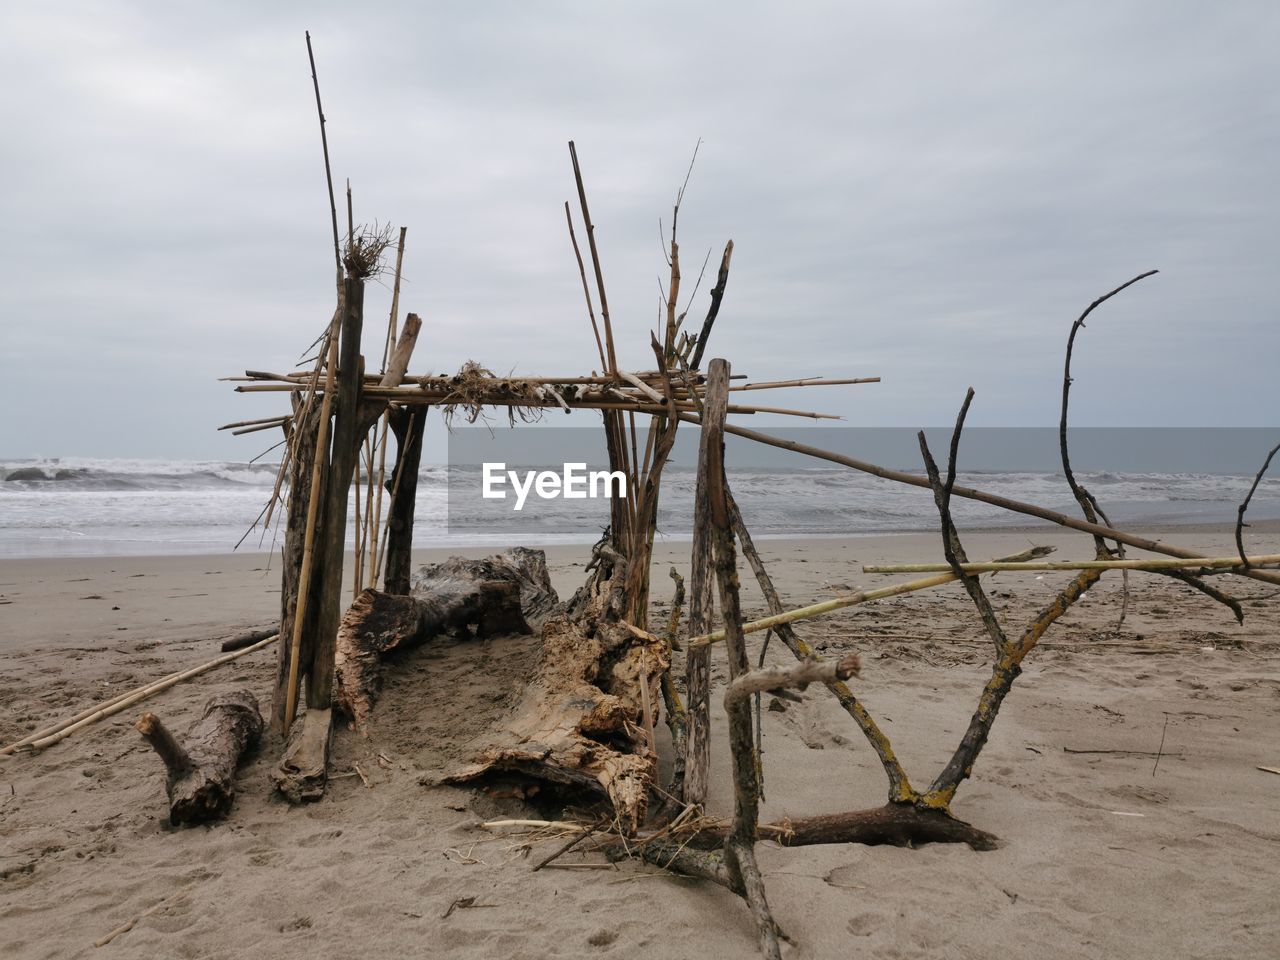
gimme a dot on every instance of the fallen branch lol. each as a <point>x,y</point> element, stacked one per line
<point>60,731</point>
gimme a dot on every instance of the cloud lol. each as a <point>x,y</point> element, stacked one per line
<point>923,191</point>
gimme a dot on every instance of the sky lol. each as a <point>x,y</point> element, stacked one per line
<point>928,192</point>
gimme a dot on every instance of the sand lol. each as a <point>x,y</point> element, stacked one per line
<point>1101,855</point>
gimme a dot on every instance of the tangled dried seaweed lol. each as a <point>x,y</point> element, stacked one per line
<point>473,388</point>
<point>365,247</point>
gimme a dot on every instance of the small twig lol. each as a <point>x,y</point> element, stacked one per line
<point>1160,751</point>
<point>126,927</point>
<point>1240,511</point>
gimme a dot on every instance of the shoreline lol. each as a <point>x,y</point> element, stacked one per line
<point>153,549</point>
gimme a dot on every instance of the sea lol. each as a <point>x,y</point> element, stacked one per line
<point>72,507</point>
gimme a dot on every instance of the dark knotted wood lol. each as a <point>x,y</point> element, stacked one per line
<point>701,592</point>
<point>739,846</point>
<point>408,426</point>
<point>201,781</point>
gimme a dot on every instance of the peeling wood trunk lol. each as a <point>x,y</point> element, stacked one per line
<point>581,726</point>
<point>408,426</point>
<point>495,595</point>
<point>201,782</point>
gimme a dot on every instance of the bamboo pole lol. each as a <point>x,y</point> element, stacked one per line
<point>994,566</point>
<point>804,382</point>
<point>309,538</point>
<point>60,731</point>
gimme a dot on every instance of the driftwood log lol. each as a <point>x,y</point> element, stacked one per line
<point>201,782</point>
<point>583,727</point>
<point>497,595</point>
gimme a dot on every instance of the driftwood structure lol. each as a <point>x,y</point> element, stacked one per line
<point>201,781</point>
<point>584,724</point>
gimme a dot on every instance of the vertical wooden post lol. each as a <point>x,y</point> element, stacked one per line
<point>408,426</point>
<point>739,846</point>
<point>306,434</point>
<point>342,462</point>
<point>701,589</point>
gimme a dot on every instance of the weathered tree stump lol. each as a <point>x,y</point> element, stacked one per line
<point>201,782</point>
<point>304,768</point>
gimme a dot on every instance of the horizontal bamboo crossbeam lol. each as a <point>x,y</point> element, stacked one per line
<point>417,396</point>
<point>1211,563</point>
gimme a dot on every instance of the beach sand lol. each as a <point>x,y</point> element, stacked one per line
<point>1101,855</point>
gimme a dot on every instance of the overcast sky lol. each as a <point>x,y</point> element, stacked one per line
<point>930,192</point>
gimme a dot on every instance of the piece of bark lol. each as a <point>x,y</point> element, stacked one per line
<point>579,728</point>
<point>374,625</point>
<point>201,781</point>
<point>304,768</point>
<point>498,595</point>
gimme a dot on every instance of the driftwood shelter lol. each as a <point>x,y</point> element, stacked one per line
<point>583,726</point>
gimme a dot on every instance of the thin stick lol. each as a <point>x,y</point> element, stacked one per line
<point>993,566</point>
<point>328,173</point>
<point>717,295</point>
<point>807,382</point>
<point>1240,511</point>
<point>561,851</point>
<point>356,578</point>
<point>123,703</point>
<point>376,558</point>
<point>1160,751</point>
<point>586,289</point>
<point>595,260</point>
